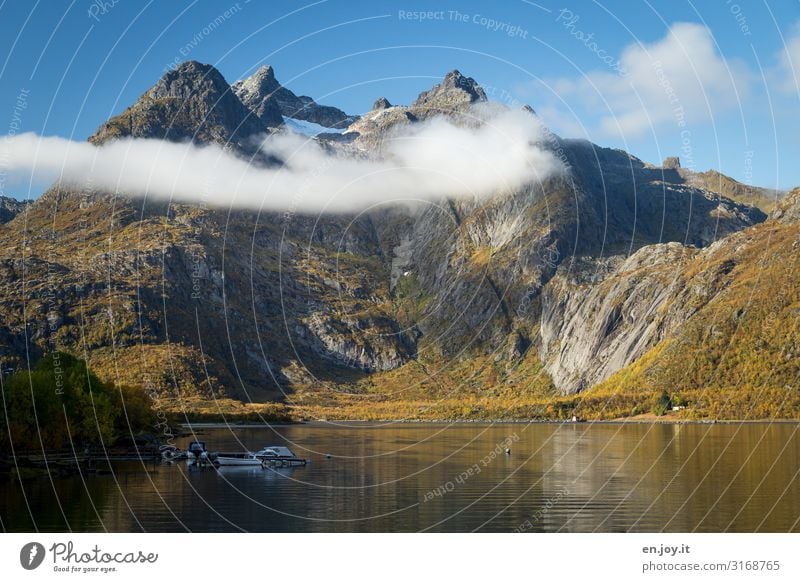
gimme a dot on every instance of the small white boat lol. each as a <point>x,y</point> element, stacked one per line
<point>272,456</point>
<point>237,460</point>
<point>275,452</point>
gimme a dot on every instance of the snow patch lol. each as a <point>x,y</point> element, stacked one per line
<point>308,128</point>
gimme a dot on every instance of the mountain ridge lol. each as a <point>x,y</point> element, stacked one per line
<point>269,100</point>
<point>541,283</point>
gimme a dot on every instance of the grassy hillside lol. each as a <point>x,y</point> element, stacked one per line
<point>737,357</point>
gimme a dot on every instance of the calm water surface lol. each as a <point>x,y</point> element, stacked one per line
<point>571,478</point>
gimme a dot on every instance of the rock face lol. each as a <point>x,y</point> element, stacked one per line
<point>381,103</point>
<point>711,180</point>
<point>788,210</point>
<point>587,272</point>
<point>192,102</point>
<point>10,207</point>
<point>265,96</point>
<point>374,127</point>
<point>258,93</point>
<point>454,93</point>
<point>600,315</point>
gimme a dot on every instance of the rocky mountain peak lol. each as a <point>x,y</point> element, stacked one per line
<point>10,207</point>
<point>381,103</point>
<point>257,93</point>
<point>263,94</point>
<point>455,80</point>
<point>454,91</point>
<point>191,102</point>
<point>788,210</point>
<point>190,80</point>
<point>265,72</point>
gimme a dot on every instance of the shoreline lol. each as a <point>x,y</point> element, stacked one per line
<point>616,421</point>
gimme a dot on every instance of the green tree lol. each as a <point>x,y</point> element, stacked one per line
<point>662,404</point>
<point>62,402</point>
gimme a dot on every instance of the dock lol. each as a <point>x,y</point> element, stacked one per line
<point>292,462</point>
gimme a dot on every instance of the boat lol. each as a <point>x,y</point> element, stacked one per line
<point>197,452</point>
<point>237,460</point>
<point>275,452</point>
<point>278,456</point>
<point>271,456</point>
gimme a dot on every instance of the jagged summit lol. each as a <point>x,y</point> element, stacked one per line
<point>455,80</point>
<point>381,103</point>
<point>10,207</point>
<point>268,99</point>
<point>187,79</point>
<point>265,72</point>
<point>256,93</point>
<point>454,93</point>
<point>452,97</point>
<point>191,102</point>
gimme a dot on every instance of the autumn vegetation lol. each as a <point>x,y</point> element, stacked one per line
<point>60,403</point>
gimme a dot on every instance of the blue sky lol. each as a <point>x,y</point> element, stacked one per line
<point>712,82</point>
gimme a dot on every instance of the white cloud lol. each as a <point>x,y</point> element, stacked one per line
<point>680,78</point>
<point>426,161</point>
<point>788,70</point>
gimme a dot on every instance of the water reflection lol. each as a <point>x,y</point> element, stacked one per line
<point>574,478</point>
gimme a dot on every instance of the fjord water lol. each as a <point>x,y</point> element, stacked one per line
<point>413,477</point>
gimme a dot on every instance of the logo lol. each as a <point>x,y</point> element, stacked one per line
<point>31,555</point>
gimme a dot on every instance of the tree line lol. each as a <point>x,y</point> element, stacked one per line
<point>61,403</point>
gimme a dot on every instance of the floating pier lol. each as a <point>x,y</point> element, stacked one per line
<point>293,462</point>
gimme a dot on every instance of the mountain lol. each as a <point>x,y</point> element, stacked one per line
<point>193,102</point>
<point>453,98</point>
<point>10,207</point>
<point>723,185</point>
<point>590,291</point>
<point>269,100</point>
<point>735,355</point>
<point>455,93</point>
